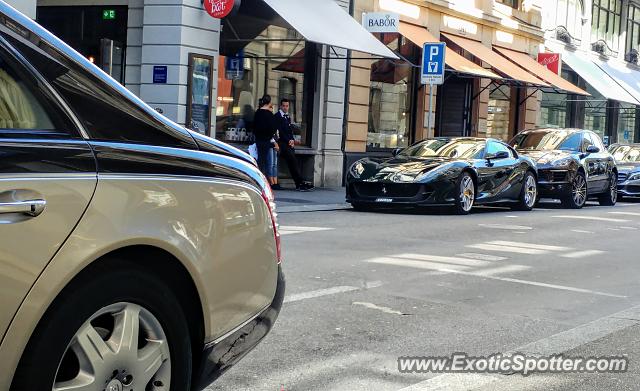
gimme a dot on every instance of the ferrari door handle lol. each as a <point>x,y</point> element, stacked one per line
<point>31,208</point>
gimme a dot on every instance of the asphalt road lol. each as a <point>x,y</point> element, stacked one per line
<point>366,288</point>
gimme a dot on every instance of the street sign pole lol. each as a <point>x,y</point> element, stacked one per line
<point>432,71</point>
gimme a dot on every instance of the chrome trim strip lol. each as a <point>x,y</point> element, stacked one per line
<point>229,333</point>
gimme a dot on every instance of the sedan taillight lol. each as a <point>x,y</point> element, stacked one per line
<point>269,199</point>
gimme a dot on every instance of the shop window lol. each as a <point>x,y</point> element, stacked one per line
<point>605,22</point>
<point>626,123</point>
<point>273,60</point>
<point>391,97</point>
<point>633,29</point>
<point>595,112</point>
<point>498,113</point>
<point>510,3</point>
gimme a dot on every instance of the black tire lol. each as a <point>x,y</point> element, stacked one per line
<point>120,282</point>
<point>461,207</point>
<point>360,207</point>
<point>528,197</point>
<point>610,196</point>
<point>578,185</point>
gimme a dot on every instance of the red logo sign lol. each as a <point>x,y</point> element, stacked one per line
<point>551,61</point>
<point>220,8</point>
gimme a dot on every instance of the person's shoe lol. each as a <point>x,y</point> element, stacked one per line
<point>276,187</point>
<point>302,187</point>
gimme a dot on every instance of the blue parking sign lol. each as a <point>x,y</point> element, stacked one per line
<point>433,63</point>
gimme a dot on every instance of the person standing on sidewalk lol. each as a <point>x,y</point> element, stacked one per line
<point>265,130</point>
<point>286,142</point>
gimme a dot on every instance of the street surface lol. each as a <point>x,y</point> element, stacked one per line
<point>366,288</point>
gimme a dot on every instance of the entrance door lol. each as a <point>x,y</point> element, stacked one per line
<point>453,113</point>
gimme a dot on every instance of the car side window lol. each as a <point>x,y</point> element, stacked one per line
<point>595,140</point>
<point>25,108</point>
<point>493,147</point>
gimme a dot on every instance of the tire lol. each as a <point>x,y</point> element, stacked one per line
<point>529,193</point>
<point>610,196</point>
<point>577,195</point>
<point>465,194</point>
<point>107,297</point>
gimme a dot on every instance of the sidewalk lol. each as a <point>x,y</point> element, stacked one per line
<point>320,199</point>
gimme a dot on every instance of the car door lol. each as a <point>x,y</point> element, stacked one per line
<point>496,175</point>
<point>593,164</point>
<point>47,178</point>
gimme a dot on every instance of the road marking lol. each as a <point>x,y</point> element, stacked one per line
<point>319,293</point>
<point>506,227</point>
<point>453,381</point>
<point>529,245</point>
<point>506,249</point>
<point>629,228</point>
<point>582,231</point>
<point>425,265</point>
<point>292,230</point>
<point>482,257</point>
<point>593,218</point>
<point>372,306</point>
<point>625,213</point>
<point>582,254</point>
<point>556,344</point>
<point>445,260</point>
<point>502,270</point>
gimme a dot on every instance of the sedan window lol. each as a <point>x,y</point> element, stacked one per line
<point>462,148</point>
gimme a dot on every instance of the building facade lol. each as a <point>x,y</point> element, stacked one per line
<point>482,94</point>
<point>597,42</point>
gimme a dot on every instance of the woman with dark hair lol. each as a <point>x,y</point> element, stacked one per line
<point>265,131</point>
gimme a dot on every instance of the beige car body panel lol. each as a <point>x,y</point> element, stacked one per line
<point>220,230</point>
<point>27,244</point>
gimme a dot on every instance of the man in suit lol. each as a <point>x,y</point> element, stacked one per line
<point>287,145</point>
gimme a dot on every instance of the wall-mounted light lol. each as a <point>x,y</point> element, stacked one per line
<point>400,7</point>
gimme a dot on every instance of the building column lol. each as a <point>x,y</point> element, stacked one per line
<point>170,31</point>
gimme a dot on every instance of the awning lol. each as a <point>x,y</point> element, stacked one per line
<point>325,22</point>
<point>599,79</point>
<point>294,64</point>
<point>420,35</point>
<point>498,63</point>
<point>539,70</point>
<point>627,78</point>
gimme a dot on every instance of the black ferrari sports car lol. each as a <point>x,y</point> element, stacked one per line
<point>628,160</point>
<point>573,165</point>
<point>461,172</point>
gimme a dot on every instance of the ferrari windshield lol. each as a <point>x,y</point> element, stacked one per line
<point>458,149</point>
<point>548,140</point>
<point>626,153</point>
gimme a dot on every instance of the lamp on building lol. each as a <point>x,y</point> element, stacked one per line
<point>633,56</point>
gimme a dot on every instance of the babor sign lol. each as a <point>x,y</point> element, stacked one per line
<point>433,63</point>
<point>381,22</point>
<point>221,8</point>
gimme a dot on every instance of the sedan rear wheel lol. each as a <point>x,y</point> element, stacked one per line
<point>120,329</point>
<point>466,194</point>
<point>578,195</point>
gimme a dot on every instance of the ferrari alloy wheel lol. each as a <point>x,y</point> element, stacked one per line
<point>610,197</point>
<point>466,194</point>
<point>528,194</point>
<point>578,196</point>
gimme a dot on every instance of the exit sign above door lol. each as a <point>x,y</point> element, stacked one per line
<point>108,14</point>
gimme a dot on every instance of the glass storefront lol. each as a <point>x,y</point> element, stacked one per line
<point>274,63</point>
<point>626,123</point>
<point>595,112</point>
<point>499,113</point>
<point>391,97</point>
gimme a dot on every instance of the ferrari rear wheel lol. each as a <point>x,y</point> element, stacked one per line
<point>465,194</point>
<point>528,194</point>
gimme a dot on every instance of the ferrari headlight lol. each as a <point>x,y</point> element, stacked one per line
<point>357,169</point>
